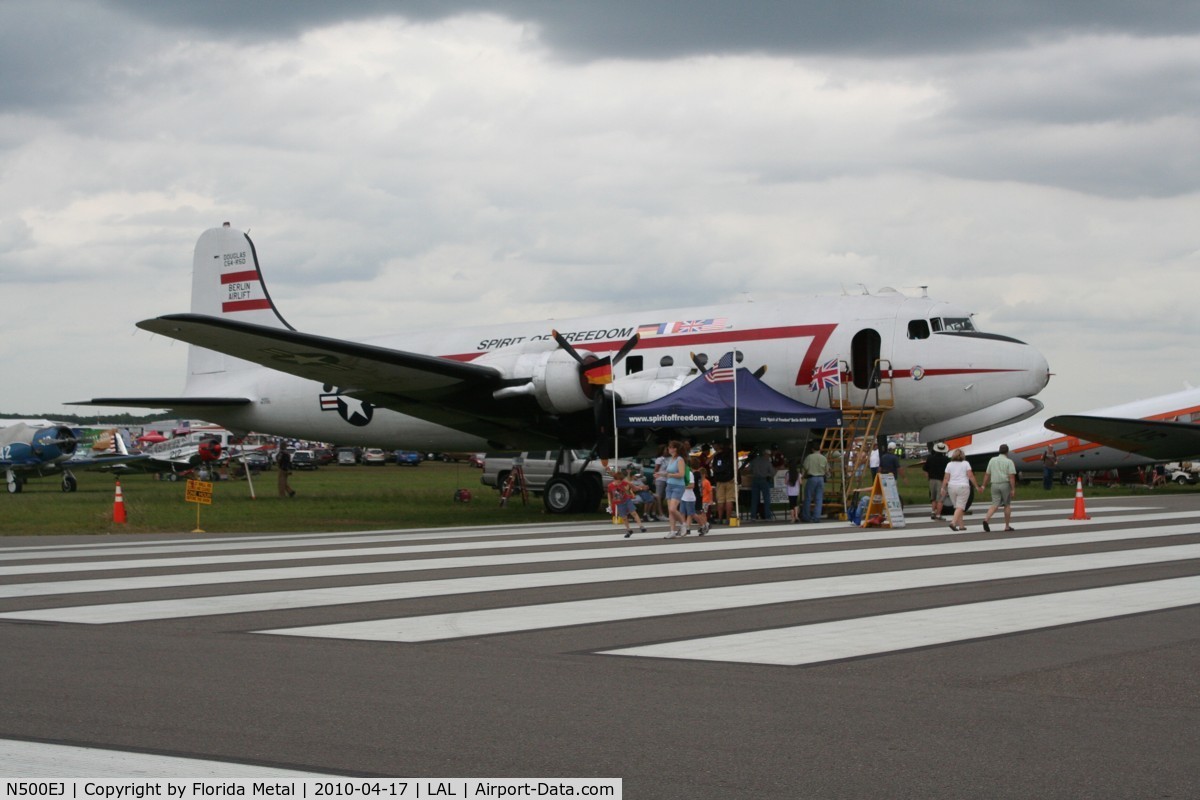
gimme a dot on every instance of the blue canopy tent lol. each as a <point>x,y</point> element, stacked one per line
<point>725,403</point>
<point>718,399</point>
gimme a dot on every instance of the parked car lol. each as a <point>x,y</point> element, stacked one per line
<point>568,490</point>
<point>408,458</point>
<point>256,460</point>
<point>346,457</point>
<point>304,459</point>
<point>324,456</point>
<point>476,460</point>
<point>374,457</point>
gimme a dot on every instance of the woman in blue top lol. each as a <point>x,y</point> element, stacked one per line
<point>673,470</point>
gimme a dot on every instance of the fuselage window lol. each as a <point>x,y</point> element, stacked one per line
<point>936,324</point>
<point>955,324</point>
<point>702,360</point>
<point>666,361</point>
<point>918,329</point>
<point>633,364</point>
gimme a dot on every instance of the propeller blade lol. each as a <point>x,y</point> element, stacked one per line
<point>625,348</point>
<point>565,345</point>
<point>758,373</point>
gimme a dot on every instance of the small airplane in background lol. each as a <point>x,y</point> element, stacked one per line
<point>1150,431</point>
<point>541,385</point>
<point>28,451</point>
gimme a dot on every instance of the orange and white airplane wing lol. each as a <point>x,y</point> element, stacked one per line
<point>1156,439</point>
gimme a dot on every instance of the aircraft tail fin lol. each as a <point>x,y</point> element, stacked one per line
<point>227,283</point>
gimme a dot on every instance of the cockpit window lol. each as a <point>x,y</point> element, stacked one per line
<point>918,329</point>
<point>956,324</point>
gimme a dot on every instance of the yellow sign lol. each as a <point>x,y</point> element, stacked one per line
<point>199,492</point>
<point>884,509</point>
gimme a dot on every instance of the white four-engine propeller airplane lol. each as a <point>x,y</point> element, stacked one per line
<point>544,385</point>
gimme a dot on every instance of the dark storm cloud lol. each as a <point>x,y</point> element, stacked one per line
<point>650,29</point>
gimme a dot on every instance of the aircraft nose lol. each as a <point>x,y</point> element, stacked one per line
<point>1038,370</point>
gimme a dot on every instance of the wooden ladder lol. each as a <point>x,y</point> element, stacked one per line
<point>848,448</point>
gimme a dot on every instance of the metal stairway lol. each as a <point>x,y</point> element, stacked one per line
<point>849,448</point>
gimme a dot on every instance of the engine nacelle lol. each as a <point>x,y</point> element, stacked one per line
<point>50,443</point>
<point>551,376</point>
<point>22,444</point>
<point>644,387</point>
<point>210,450</point>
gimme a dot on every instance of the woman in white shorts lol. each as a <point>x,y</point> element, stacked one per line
<point>957,487</point>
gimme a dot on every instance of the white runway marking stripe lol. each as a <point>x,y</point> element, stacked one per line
<point>610,609</point>
<point>272,542</point>
<point>300,598</point>
<point>832,641</point>
<point>686,546</point>
<point>38,760</point>
<point>399,542</point>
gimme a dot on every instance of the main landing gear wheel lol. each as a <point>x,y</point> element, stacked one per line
<point>561,495</point>
<point>69,484</point>
<point>14,483</point>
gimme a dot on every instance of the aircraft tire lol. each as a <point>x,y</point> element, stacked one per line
<point>561,495</point>
<point>14,485</point>
<point>69,484</point>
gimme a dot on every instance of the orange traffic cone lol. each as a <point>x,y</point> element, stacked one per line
<point>119,505</point>
<point>1080,511</point>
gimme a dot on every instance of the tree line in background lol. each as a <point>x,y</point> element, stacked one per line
<point>123,420</point>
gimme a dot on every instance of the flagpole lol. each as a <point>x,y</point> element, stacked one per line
<point>737,479</point>
<point>616,436</point>
<point>842,441</point>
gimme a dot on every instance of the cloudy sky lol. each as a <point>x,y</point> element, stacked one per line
<point>422,163</point>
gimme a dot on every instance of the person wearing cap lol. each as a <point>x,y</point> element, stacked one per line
<point>889,462</point>
<point>935,470</point>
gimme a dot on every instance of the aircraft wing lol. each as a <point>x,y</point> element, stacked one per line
<point>103,462</point>
<point>1162,441</point>
<point>318,358</point>
<point>440,390</point>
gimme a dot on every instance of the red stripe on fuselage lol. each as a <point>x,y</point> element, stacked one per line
<point>819,333</point>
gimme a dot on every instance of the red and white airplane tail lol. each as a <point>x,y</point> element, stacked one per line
<point>228,284</point>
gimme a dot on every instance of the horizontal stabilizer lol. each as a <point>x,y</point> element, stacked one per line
<point>321,359</point>
<point>1161,441</point>
<point>164,402</point>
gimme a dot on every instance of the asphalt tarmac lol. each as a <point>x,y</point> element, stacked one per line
<point>766,661</point>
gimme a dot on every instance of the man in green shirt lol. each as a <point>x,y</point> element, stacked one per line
<point>1001,473</point>
<point>815,466</point>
